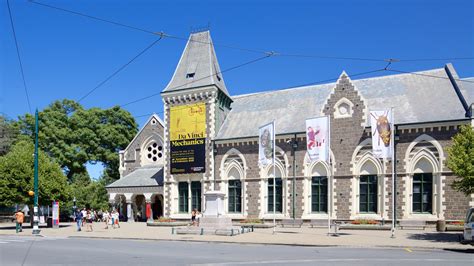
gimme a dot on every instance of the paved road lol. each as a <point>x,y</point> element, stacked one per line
<point>84,251</point>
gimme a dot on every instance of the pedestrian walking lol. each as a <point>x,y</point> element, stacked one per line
<point>19,217</point>
<point>106,218</point>
<point>100,216</point>
<point>84,215</point>
<point>79,218</point>
<point>116,219</point>
<point>89,221</point>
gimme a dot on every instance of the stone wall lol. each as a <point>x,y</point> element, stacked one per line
<point>456,203</point>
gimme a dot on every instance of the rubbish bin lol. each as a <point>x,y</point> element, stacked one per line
<point>49,222</point>
<point>441,225</point>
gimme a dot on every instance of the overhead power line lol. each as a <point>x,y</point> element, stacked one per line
<point>139,29</point>
<point>208,76</point>
<point>119,69</point>
<point>259,51</point>
<point>334,79</point>
<point>333,57</point>
<point>426,75</point>
<point>437,59</point>
<point>19,57</point>
<point>92,17</point>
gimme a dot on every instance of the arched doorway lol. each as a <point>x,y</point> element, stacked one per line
<point>157,206</point>
<point>140,211</point>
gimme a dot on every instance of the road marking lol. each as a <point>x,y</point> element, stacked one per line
<point>1,242</point>
<point>409,250</point>
<point>332,260</point>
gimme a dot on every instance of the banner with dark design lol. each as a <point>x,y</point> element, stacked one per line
<point>381,125</point>
<point>266,144</point>
<point>188,139</point>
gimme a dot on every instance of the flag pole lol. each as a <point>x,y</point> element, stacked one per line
<point>329,206</point>
<point>274,179</point>
<point>393,171</point>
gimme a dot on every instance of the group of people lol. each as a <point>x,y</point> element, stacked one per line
<point>195,217</point>
<point>87,217</point>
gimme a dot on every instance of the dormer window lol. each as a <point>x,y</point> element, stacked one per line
<point>191,70</point>
<point>343,108</point>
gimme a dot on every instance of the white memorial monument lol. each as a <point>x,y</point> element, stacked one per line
<point>214,206</point>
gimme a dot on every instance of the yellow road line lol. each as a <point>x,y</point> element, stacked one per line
<point>409,250</point>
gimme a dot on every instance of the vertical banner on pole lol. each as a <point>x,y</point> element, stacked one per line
<point>318,145</point>
<point>55,214</point>
<point>266,137</point>
<point>266,155</point>
<point>317,141</point>
<point>383,145</point>
<point>381,125</point>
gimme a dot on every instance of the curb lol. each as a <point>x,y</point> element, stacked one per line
<point>276,244</point>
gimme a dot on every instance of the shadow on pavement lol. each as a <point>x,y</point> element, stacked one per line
<point>466,251</point>
<point>437,237</point>
<point>28,226</point>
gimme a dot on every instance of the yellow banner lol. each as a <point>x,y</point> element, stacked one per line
<point>188,122</point>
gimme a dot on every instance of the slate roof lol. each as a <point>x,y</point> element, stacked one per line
<point>468,89</point>
<point>199,58</point>
<point>415,99</point>
<point>145,176</point>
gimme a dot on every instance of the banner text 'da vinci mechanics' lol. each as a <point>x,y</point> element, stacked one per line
<point>188,138</point>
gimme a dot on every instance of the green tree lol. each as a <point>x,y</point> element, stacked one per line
<point>74,136</point>
<point>17,172</point>
<point>461,159</point>
<point>92,195</point>
<point>8,134</point>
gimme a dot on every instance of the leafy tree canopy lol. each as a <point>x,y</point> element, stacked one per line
<point>17,177</point>
<point>461,159</point>
<point>74,136</point>
<point>8,134</point>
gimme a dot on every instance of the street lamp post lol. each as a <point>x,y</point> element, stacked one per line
<point>294,146</point>
<point>36,230</point>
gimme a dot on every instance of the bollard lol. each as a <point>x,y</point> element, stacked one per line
<point>441,225</point>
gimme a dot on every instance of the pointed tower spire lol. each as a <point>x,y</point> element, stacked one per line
<point>198,66</point>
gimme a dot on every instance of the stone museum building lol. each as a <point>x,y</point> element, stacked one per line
<point>208,141</point>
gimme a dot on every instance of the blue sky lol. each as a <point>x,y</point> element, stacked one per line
<point>65,56</point>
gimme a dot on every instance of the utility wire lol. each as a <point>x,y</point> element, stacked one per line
<point>333,57</point>
<point>436,59</point>
<point>307,84</point>
<point>334,79</point>
<point>19,57</point>
<point>119,69</point>
<point>92,17</point>
<point>240,48</point>
<point>182,85</point>
<point>426,75</point>
<point>140,29</point>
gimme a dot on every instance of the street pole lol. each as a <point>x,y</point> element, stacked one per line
<point>274,179</point>
<point>294,145</point>
<point>36,230</point>
<point>393,173</point>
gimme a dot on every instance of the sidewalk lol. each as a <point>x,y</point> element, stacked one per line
<point>305,236</point>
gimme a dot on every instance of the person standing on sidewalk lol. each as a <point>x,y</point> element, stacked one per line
<point>89,221</point>
<point>106,218</point>
<point>19,217</point>
<point>78,218</point>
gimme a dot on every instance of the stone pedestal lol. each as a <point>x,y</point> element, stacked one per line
<point>214,206</point>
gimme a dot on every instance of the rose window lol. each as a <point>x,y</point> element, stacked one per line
<point>154,151</point>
